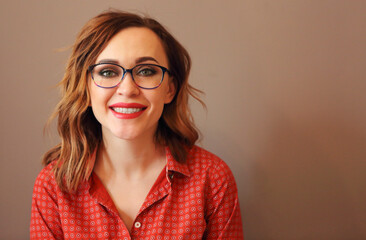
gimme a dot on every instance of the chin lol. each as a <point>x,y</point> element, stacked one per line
<point>129,133</point>
<point>126,136</point>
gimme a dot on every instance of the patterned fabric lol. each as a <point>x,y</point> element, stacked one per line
<point>195,200</point>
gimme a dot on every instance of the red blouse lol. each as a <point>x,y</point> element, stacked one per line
<point>195,200</point>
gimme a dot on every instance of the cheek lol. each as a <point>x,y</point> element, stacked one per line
<point>98,98</point>
<point>157,99</point>
<point>156,105</point>
<point>97,93</point>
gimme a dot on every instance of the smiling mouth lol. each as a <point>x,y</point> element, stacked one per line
<point>127,110</point>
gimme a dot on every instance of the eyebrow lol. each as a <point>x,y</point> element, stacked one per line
<point>145,59</point>
<point>138,60</point>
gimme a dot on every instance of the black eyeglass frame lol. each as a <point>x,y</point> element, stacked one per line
<point>164,69</point>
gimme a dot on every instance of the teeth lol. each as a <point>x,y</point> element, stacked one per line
<point>127,110</point>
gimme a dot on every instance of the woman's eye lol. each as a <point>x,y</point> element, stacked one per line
<point>145,72</point>
<point>107,73</point>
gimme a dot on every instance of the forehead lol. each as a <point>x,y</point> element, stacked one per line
<point>133,43</point>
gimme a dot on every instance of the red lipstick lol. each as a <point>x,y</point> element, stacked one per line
<point>124,114</point>
<point>128,105</point>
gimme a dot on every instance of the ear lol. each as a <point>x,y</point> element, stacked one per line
<point>170,92</point>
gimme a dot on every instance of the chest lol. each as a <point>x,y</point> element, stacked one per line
<point>128,200</point>
<point>167,210</point>
<point>176,209</point>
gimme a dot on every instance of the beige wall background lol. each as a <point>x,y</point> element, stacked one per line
<point>285,84</point>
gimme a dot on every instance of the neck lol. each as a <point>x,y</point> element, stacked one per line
<point>128,158</point>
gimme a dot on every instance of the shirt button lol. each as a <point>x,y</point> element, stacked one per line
<point>137,224</point>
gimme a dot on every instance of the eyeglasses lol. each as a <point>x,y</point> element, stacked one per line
<point>110,75</point>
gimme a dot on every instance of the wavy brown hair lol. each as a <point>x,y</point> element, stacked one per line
<point>79,130</point>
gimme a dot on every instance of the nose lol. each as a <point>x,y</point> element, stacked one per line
<point>127,87</point>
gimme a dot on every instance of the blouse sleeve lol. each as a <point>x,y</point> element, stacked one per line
<point>45,219</point>
<point>223,210</point>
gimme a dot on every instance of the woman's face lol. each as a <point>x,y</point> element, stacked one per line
<point>127,111</point>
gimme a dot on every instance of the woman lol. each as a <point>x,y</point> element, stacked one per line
<point>127,166</point>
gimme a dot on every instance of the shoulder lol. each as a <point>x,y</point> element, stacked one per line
<point>46,174</point>
<point>202,158</point>
<point>211,169</point>
<point>45,181</point>
<point>216,177</point>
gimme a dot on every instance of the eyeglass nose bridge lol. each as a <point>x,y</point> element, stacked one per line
<point>125,71</point>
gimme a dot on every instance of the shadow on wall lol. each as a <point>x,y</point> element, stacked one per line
<point>308,183</point>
